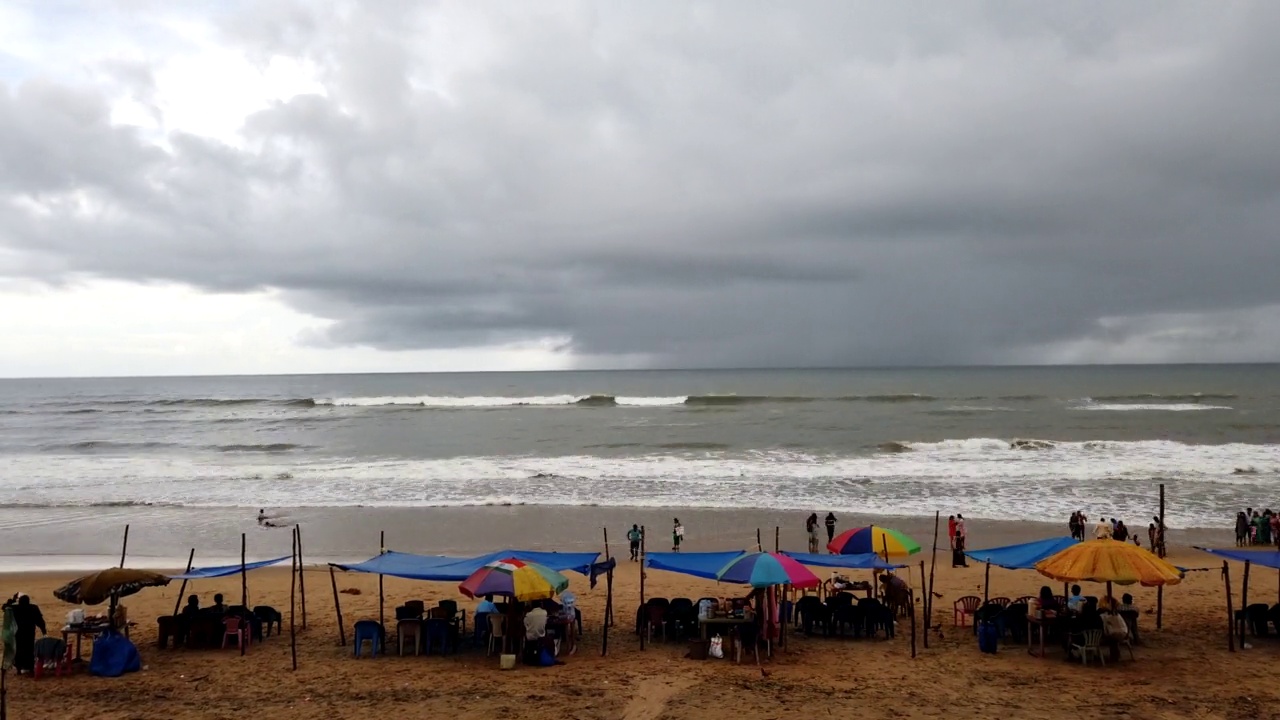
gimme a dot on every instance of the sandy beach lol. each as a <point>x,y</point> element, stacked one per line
<point>1184,671</point>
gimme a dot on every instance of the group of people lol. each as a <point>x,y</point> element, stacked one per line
<point>1089,613</point>
<point>636,534</point>
<point>536,617</point>
<point>811,525</point>
<point>1113,529</point>
<point>1257,528</point>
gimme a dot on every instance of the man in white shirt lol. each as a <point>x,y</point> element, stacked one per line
<point>535,624</point>
<point>1103,531</point>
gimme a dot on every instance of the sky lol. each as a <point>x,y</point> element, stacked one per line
<point>277,186</point>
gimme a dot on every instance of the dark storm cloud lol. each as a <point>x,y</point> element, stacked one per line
<point>709,183</point>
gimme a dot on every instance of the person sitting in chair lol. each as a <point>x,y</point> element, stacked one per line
<point>1075,603</point>
<point>218,608</point>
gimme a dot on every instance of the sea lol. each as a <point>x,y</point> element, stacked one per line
<point>1000,443</point>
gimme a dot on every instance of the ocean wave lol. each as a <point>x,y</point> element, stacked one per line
<point>91,445</point>
<point>262,447</point>
<point>1176,397</point>
<point>1148,407</point>
<point>605,400</point>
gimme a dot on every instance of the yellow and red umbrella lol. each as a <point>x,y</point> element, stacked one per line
<point>524,581</point>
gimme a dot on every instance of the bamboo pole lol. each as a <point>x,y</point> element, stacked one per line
<point>124,546</point>
<point>382,619</point>
<point>1231,616</point>
<point>337,606</point>
<point>177,602</point>
<point>986,584</point>
<point>911,598</point>
<point>759,545</point>
<point>302,582</point>
<point>777,536</point>
<point>1244,599</point>
<point>933,564</point>
<point>608,608</point>
<point>294,567</point>
<point>644,619</point>
<point>924,609</point>
<point>244,587</point>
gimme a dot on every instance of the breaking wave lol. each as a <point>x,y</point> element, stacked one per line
<point>604,400</point>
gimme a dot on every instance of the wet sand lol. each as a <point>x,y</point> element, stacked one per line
<point>1184,671</point>
<point>162,537</point>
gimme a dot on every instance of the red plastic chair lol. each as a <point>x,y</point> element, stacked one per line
<point>966,607</point>
<point>52,650</point>
<point>234,628</point>
<point>1001,601</point>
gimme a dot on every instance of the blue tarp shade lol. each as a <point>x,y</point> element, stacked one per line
<point>862,561</point>
<point>225,570</point>
<point>1023,556</point>
<point>697,564</point>
<point>452,569</point>
<point>1265,558</point>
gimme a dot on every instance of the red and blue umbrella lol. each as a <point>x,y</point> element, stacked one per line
<point>860,541</point>
<point>766,569</point>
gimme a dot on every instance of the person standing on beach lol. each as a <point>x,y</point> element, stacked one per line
<point>831,527</point>
<point>958,558</point>
<point>28,618</point>
<point>951,530</point>
<point>677,535</point>
<point>811,527</point>
<point>1074,526</point>
<point>633,536</point>
<point>1159,547</point>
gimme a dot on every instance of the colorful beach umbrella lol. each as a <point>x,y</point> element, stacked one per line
<point>524,581</point>
<point>766,569</point>
<point>873,539</point>
<point>1109,561</point>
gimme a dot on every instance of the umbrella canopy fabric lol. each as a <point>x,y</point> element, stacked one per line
<point>1109,561</point>
<point>766,569</point>
<point>524,581</point>
<point>860,541</point>
<point>101,586</point>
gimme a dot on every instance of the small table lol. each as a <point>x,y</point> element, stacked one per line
<point>1043,625</point>
<point>80,631</point>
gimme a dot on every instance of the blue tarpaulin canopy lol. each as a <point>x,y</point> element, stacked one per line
<point>862,561</point>
<point>697,564</point>
<point>1023,556</point>
<point>225,570</point>
<point>456,569</point>
<point>1265,558</point>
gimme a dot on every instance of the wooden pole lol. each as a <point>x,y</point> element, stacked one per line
<point>608,611</point>
<point>177,602</point>
<point>986,584</point>
<point>1244,598</point>
<point>933,564</point>
<point>302,582</point>
<point>337,606</point>
<point>1160,540</point>
<point>759,545</point>
<point>1159,551</point>
<point>911,597</point>
<point>644,619</point>
<point>608,607</point>
<point>777,536</point>
<point>293,584</point>
<point>124,546</point>
<point>382,619</point>
<point>244,587</point>
<point>924,609</point>
<point>1231,615</point>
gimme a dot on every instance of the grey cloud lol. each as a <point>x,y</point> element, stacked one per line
<point>704,184</point>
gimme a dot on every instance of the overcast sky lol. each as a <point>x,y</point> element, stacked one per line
<point>312,186</point>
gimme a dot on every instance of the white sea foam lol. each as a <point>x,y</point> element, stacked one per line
<point>449,401</point>
<point>651,401</point>
<point>987,477</point>
<point>1150,407</point>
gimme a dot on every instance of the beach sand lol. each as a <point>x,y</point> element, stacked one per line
<point>1184,671</point>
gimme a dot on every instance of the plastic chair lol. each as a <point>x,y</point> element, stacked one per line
<point>369,630</point>
<point>1001,601</point>
<point>417,607</point>
<point>233,627</point>
<point>268,616</point>
<point>1090,644</point>
<point>497,631</point>
<point>51,651</point>
<point>656,618</point>
<point>437,632</point>
<point>410,629</point>
<point>1026,599</point>
<point>965,608</point>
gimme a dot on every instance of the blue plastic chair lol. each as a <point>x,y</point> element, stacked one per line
<point>369,630</point>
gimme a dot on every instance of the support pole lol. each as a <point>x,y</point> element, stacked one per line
<point>294,567</point>
<point>644,618</point>
<point>608,607</point>
<point>777,535</point>
<point>986,584</point>
<point>177,602</point>
<point>337,606</point>
<point>244,587</point>
<point>924,609</point>
<point>302,582</point>
<point>608,611</point>
<point>759,545</point>
<point>1160,541</point>
<point>124,546</point>
<point>911,598</point>
<point>382,620</point>
<point>1231,615</point>
<point>933,564</point>
<point>1244,599</point>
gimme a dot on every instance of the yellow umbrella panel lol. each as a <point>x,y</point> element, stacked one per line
<point>1109,561</point>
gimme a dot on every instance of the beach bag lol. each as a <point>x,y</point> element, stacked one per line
<point>113,655</point>
<point>717,647</point>
<point>1114,626</point>
<point>546,658</point>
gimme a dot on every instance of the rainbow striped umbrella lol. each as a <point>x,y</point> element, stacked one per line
<point>524,581</point>
<point>766,569</point>
<point>872,539</point>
